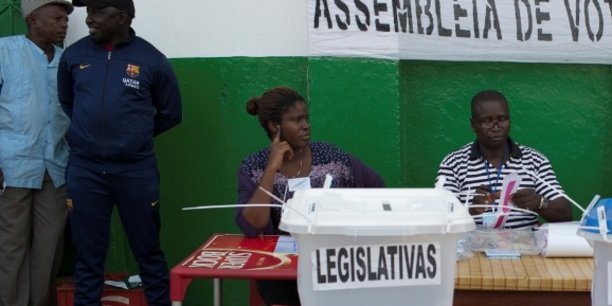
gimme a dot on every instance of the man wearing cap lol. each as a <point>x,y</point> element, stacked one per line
<point>33,156</point>
<point>120,92</point>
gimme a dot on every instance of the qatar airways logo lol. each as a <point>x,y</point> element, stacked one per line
<point>131,83</point>
<point>133,71</point>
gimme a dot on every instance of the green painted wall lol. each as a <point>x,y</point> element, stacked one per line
<point>11,21</point>
<point>354,104</point>
<point>564,111</point>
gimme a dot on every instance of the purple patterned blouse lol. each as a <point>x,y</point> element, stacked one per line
<point>346,170</point>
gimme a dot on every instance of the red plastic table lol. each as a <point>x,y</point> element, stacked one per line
<point>235,257</point>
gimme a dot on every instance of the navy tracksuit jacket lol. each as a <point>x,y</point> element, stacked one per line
<point>118,99</point>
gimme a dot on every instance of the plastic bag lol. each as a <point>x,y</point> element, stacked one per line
<point>524,241</point>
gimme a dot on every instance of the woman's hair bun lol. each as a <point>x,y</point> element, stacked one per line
<point>251,106</point>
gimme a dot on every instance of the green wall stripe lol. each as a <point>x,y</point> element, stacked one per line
<point>354,105</point>
<point>11,21</point>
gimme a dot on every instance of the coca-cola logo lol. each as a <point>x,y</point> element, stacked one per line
<point>238,259</point>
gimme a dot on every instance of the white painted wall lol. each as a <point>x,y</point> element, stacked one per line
<point>216,28</point>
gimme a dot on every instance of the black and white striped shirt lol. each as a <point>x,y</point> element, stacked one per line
<point>464,169</point>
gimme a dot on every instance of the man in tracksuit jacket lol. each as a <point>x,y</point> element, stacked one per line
<point>120,92</point>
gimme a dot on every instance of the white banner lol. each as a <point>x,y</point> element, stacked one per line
<point>557,31</point>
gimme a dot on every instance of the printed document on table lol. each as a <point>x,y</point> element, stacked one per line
<point>286,245</point>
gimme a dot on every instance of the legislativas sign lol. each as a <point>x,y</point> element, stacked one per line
<point>368,266</point>
<point>577,31</point>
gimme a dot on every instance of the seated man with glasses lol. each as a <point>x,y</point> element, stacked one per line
<point>476,171</point>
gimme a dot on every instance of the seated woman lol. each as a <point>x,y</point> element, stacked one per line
<point>291,160</point>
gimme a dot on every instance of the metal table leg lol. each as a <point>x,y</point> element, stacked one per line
<point>217,292</point>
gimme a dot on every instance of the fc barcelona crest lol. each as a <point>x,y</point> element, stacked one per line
<point>132,70</point>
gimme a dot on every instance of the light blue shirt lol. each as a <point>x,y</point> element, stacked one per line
<point>32,122</point>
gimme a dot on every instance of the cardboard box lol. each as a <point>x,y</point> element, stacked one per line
<point>111,296</point>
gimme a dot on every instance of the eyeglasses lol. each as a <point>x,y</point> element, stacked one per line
<point>502,122</point>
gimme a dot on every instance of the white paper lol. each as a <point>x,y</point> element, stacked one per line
<point>132,281</point>
<point>118,284</point>
<point>286,245</point>
<point>562,241</point>
<point>299,183</point>
<point>510,184</point>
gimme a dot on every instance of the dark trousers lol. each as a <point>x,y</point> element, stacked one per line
<point>136,196</point>
<point>282,292</point>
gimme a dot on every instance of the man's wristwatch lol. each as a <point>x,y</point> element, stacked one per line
<point>543,203</point>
